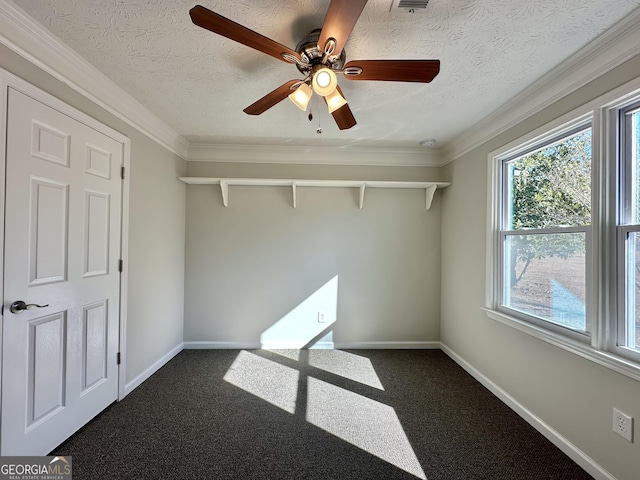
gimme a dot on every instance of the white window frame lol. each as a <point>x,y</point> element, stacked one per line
<point>603,266</point>
<point>623,190</point>
<point>504,214</point>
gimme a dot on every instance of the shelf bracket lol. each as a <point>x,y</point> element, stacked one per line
<point>294,188</point>
<point>362,187</point>
<point>430,191</point>
<point>224,188</point>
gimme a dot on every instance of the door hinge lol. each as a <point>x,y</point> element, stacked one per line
<point>122,173</point>
<point>120,265</point>
<point>118,358</point>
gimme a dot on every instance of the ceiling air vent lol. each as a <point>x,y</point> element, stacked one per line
<point>411,6</point>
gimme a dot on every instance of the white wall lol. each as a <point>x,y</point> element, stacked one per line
<point>156,254</point>
<point>250,264</point>
<point>572,395</point>
<point>156,230</point>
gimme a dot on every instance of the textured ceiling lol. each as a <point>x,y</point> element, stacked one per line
<point>199,82</point>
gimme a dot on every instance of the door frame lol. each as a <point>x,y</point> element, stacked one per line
<point>9,80</point>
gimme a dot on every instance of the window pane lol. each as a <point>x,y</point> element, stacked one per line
<point>545,277</point>
<point>628,323</point>
<point>635,158</point>
<point>551,187</point>
<point>633,292</point>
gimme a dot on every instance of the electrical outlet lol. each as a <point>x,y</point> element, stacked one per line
<point>322,317</point>
<point>623,424</point>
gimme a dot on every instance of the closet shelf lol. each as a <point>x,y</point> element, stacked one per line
<point>429,187</point>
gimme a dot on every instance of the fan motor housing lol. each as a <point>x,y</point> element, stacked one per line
<point>311,55</point>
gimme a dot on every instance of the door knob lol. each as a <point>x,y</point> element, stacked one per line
<point>19,306</point>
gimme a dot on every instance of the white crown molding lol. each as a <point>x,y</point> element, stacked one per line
<point>315,155</point>
<point>609,50</point>
<point>32,41</point>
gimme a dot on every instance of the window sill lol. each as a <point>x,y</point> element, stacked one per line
<point>606,359</point>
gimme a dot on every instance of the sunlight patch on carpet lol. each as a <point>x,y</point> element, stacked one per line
<point>347,365</point>
<point>370,425</point>
<point>268,380</point>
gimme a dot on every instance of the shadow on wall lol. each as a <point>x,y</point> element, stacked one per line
<point>309,324</point>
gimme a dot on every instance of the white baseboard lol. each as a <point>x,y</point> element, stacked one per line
<point>136,382</point>
<point>389,345</point>
<point>295,345</point>
<point>346,345</point>
<point>221,345</point>
<point>573,452</point>
<point>323,346</point>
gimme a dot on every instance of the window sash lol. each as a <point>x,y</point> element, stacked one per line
<point>623,340</point>
<point>506,212</point>
<point>625,317</point>
<point>546,231</point>
<point>583,336</point>
<point>504,230</point>
<point>628,190</point>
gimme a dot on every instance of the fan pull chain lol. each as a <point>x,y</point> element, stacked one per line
<point>319,129</point>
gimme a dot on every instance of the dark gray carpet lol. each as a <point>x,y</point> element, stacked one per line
<point>188,422</point>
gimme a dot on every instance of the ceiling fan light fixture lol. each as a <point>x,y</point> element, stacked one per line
<point>324,81</point>
<point>301,96</point>
<point>335,100</point>
<point>319,56</point>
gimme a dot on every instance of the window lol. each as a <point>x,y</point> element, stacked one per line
<point>545,222</point>
<point>563,260</point>
<point>629,229</point>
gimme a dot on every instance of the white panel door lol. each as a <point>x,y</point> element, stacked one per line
<point>62,244</point>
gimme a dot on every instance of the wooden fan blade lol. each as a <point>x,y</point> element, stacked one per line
<point>343,115</point>
<point>393,70</point>
<point>271,98</point>
<point>205,18</point>
<point>341,17</point>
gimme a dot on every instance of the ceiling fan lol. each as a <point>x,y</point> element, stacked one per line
<point>319,56</point>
